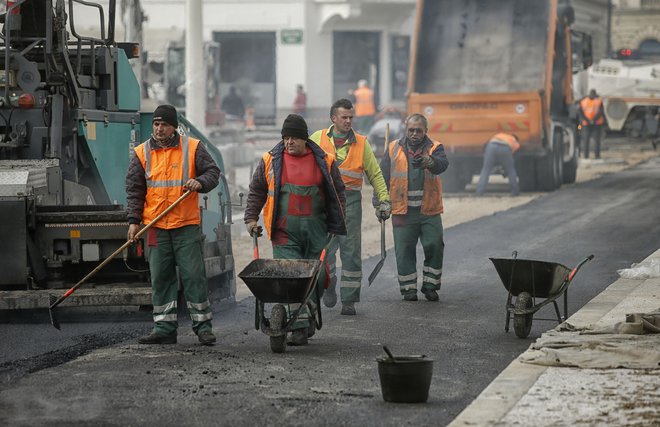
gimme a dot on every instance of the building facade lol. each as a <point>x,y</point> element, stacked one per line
<point>636,25</point>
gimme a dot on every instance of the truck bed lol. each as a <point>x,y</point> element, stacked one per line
<point>481,46</point>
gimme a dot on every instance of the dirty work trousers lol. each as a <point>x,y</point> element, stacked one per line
<point>498,154</point>
<point>350,250</point>
<point>301,233</point>
<point>586,134</point>
<point>168,249</point>
<point>408,229</point>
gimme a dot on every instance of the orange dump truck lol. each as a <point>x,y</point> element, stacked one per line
<point>480,67</point>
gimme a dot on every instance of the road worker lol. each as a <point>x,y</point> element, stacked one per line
<point>299,187</point>
<point>365,108</point>
<point>499,150</point>
<point>355,158</point>
<point>591,121</point>
<point>411,167</point>
<point>163,168</point>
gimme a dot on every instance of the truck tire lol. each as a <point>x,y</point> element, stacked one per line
<point>570,169</point>
<point>453,180</point>
<point>549,169</point>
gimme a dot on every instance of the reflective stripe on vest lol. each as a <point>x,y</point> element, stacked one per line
<point>364,102</point>
<point>591,107</point>
<point>166,170</point>
<point>431,203</point>
<point>507,139</point>
<point>269,207</point>
<point>352,167</point>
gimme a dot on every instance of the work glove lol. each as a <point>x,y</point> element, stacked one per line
<point>422,162</point>
<point>254,229</point>
<point>383,210</point>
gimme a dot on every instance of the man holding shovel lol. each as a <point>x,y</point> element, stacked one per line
<point>356,159</point>
<point>163,168</point>
<point>300,190</point>
<point>411,167</point>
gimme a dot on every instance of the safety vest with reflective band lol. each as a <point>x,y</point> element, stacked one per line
<point>352,167</point>
<point>400,197</point>
<point>269,207</point>
<point>364,102</point>
<point>166,171</point>
<point>590,108</point>
<point>507,139</point>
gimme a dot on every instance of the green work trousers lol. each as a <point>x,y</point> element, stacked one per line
<point>182,248</point>
<point>350,251</point>
<point>408,229</point>
<point>305,236</point>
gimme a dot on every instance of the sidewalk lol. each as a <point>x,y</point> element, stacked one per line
<point>532,394</point>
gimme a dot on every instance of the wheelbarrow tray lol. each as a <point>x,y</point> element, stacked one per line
<point>541,279</point>
<point>280,280</point>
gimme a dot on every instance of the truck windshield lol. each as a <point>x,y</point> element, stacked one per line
<point>482,46</point>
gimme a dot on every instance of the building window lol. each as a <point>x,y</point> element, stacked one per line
<point>400,46</point>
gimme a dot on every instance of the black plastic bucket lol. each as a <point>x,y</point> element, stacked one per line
<point>406,380</point>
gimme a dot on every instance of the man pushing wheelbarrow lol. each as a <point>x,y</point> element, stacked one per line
<point>301,192</point>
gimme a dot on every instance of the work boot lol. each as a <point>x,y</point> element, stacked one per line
<point>329,298</point>
<point>430,294</point>
<point>410,297</point>
<point>348,308</point>
<point>298,337</point>
<point>206,338</point>
<point>154,338</point>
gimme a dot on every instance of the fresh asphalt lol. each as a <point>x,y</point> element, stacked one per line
<point>334,380</point>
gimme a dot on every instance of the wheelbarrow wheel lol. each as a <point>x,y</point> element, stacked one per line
<point>277,321</point>
<point>522,323</point>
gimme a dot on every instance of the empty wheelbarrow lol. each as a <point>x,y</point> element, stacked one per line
<point>534,284</point>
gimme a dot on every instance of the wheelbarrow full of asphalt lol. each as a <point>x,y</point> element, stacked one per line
<point>534,284</point>
<point>280,282</point>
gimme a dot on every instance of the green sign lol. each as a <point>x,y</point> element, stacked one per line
<point>291,36</point>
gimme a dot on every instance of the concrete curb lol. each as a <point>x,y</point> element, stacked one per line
<point>499,398</point>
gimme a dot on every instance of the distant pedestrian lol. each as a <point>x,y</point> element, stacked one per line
<point>499,151</point>
<point>591,122</point>
<point>232,104</point>
<point>411,167</point>
<point>300,102</point>
<point>162,169</point>
<point>300,190</point>
<point>365,108</point>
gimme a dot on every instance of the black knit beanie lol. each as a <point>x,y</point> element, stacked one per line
<point>166,113</point>
<point>294,125</point>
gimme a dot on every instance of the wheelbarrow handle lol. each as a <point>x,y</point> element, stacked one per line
<point>577,267</point>
<point>255,246</point>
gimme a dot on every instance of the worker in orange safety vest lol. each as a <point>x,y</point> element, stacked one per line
<point>365,108</point>
<point>499,151</point>
<point>591,122</point>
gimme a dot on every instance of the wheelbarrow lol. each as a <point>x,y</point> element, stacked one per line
<point>283,281</point>
<point>531,280</point>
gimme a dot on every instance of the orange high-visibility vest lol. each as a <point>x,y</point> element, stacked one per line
<point>352,168</point>
<point>432,197</point>
<point>508,139</point>
<point>166,171</point>
<point>364,102</point>
<point>591,107</point>
<point>269,207</point>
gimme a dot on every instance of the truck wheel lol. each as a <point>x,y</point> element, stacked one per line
<point>453,181</point>
<point>550,168</point>
<point>277,321</point>
<point>558,150</point>
<point>570,169</point>
<point>522,323</point>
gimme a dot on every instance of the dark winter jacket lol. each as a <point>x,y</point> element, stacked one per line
<point>332,183</point>
<point>208,174</point>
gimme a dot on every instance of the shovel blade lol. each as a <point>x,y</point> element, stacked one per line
<point>376,270</point>
<point>53,320</point>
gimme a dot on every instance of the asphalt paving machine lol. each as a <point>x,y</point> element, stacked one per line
<point>69,120</point>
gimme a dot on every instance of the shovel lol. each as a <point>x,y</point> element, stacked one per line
<point>55,302</point>
<point>383,253</point>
